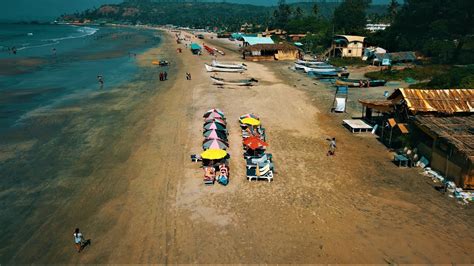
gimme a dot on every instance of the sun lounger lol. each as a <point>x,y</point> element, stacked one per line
<point>223,176</point>
<point>261,165</point>
<point>252,174</point>
<point>209,175</point>
<point>248,157</point>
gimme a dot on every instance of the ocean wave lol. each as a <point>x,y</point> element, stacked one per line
<point>36,46</point>
<point>86,30</point>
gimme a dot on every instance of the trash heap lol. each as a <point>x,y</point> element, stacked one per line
<point>463,197</point>
<point>259,162</point>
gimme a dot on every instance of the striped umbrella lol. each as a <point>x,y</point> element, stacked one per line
<point>249,115</point>
<point>214,120</point>
<point>215,134</point>
<point>211,126</point>
<point>214,144</point>
<point>215,115</point>
<point>214,110</point>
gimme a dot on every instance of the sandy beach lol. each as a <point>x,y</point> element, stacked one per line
<point>355,207</point>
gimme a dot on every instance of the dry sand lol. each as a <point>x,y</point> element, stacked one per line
<point>356,207</point>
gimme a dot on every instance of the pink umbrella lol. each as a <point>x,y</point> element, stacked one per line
<point>214,120</point>
<point>214,115</point>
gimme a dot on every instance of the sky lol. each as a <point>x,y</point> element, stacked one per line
<point>13,10</point>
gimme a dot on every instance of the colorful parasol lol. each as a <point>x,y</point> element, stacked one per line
<point>213,154</point>
<point>254,142</point>
<point>217,126</point>
<point>250,121</point>
<point>214,144</point>
<point>215,134</point>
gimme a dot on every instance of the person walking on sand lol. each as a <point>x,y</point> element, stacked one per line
<point>332,147</point>
<point>165,76</point>
<point>78,239</point>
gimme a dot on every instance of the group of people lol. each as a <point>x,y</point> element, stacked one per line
<point>163,76</point>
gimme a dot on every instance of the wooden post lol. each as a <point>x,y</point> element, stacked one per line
<point>390,139</point>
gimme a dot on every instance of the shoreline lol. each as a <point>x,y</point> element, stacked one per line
<point>154,208</point>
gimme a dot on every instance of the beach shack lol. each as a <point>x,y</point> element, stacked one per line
<point>254,40</point>
<point>267,52</point>
<point>195,48</point>
<point>438,123</point>
<point>346,46</point>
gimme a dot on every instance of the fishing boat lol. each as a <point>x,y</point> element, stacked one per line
<point>242,82</point>
<point>360,82</point>
<point>209,49</point>
<point>215,63</point>
<point>222,69</point>
<point>322,69</point>
<point>303,67</point>
<point>328,75</point>
<point>310,62</point>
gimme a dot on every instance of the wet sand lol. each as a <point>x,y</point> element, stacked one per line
<point>356,207</point>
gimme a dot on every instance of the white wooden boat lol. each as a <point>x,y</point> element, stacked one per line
<point>215,63</point>
<point>310,62</point>
<point>221,69</point>
<point>243,82</point>
<point>319,70</point>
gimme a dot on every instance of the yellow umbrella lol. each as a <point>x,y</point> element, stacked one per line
<point>213,154</point>
<point>250,121</point>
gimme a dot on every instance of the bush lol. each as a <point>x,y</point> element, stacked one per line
<point>340,62</point>
<point>416,73</point>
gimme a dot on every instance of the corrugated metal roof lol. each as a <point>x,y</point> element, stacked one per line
<point>257,40</point>
<point>352,38</point>
<point>447,101</point>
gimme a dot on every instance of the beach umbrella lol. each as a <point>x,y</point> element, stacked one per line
<point>209,112</point>
<point>250,115</point>
<point>215,115</point>
<point>214,120</point>
<point>250,121</point>
<point>211,126</point>
<point>213,154</point>
<point>214,144</point>
<point>254,142</point>
<point>215,134</point>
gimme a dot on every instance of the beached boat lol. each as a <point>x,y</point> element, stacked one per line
<point>209,49</point>
<point>321,70</point>
<point>310,62</point>
<point>215,63</point>
<point>242,82</point>
<point>360,82</point>
<point>328,75</point>
<point>222,69</point>
<point>303,67</point>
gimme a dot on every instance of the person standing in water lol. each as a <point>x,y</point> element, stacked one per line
<point>100,79</point>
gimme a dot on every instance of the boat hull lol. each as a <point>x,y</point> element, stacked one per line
<point>220,69</point>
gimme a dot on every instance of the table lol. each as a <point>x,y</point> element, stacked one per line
<point>357,125</point>
<point>400,158</point>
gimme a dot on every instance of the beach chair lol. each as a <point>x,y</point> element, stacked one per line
<point>209,175</point>
<point>248,156</point>
<point>261,165</point>
<point>223,177</point>
<point>264,174</point>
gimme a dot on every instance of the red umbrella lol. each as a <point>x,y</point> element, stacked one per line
<point>254,142</point>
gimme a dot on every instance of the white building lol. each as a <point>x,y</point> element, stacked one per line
<point>376,26</point>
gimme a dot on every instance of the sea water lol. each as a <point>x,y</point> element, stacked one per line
<point>57,124</point>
